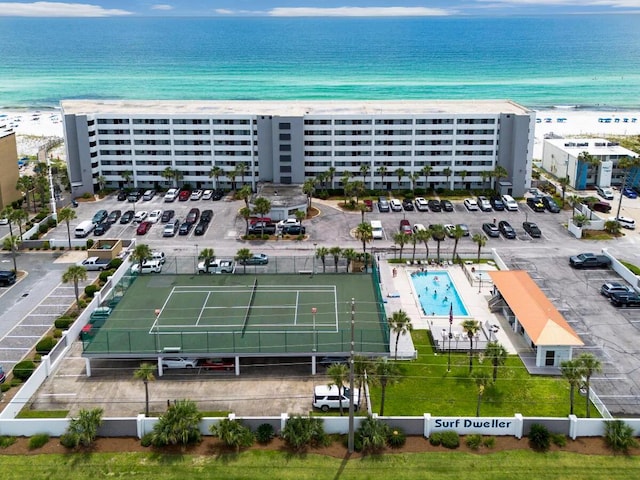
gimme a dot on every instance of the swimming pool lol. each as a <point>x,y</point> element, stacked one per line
<point>436,292</point>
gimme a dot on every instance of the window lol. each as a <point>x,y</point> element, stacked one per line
<point>285,180</point>
<point>285,148</point>
<point>285,126</point>
<point>285,158</point>
<point>285,136</point>
<point>285,168</point>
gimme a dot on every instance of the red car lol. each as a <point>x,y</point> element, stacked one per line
<point>143,228</point>
<point>217,364</point>
<point>405,227</point>
<point>369,205</point>
<point>184,195</point>
<point>254,220</point>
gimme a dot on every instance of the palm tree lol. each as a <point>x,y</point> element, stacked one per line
<point>414,241</point>
<point>240,170</point>
<point>339,375</point>
<point>344,180</point>
<point>101,181</point>
<point>86,425</point>
<point>486,176</point>
<point>424,236</point>
<point>564,182</point>
<point>481,240</point>
<point>400,238</point>
<point>438,234</point>
<point>66,215</point>
<point>19,217</point>
<point>206,255</point>
<point>215,173</point>
<point>447,173</point>
<point>470,327</point>
<point>457,234</point>
<point>300,216</point>
<point>573,201</point>
<point>385,373</point>
<point>482,380</point>
<point>399,172</point>
<point>413,178</point>
<point>75,274</point>
<point>245,212</point>
<point>7,212</point>
<point>308,188</point>
<point>127,176</point>
<point>498,173</point>
<point>141,253</point>
<point>169,174</point>
<point>357,189</point>
<point>322,253</point>
<point>364,171</point>
<point>178,175</point>
<point>382,171</point>
<point>364,233</point>
<point>244,194</point>
<point>497,354</point>
<point>463,174</point>
<point>261,207</point>
<point>581,220</point>
<point>400,324</point>
<point>331,172</point>
<point>242,256</point>
<point>573,374</point>
<point>145,373</point>
<point>349,254</point>
<point>12,243</point>
<point>26,184</point>
<point>335,251</point>
<point>426,171</point>
<point>588,365</point>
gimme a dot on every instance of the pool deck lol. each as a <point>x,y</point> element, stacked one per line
<point>399,293</point>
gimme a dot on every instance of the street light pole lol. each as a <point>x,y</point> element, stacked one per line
<point>450,335</point>
<point>314,310</point>
<point>351,439</point>
<point>315,249</point>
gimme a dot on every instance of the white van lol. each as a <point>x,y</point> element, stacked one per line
<point>158,256</point>
<point>148,266</point>
<point>84,229</point>
<point>509,203</point>
<point>171,195</point>
<point>325,397</point>
<point>376,228</point>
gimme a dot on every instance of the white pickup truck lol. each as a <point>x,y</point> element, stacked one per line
<point>94,263</point>
<point>217,266</point>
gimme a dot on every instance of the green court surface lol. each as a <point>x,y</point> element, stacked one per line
<point>244,315</point>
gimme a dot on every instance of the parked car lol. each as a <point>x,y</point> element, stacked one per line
<point>597,206</point>
<point>536,204</point>
<point>206,215</point>
<point>418,227</point>
<point>287,223</point>
<point>294,230</point>
<point>484,204</point>
<point>256,259</point>
<point>253,220</point>
<point>101,229</point>
<point>143,228</point>
<point>114,216</point>
<point>3,377</point>
<point>179,362</point>
<point>154,216</point>
<point>532,229</point>
<point>620,299</point>
<point>196,195</point>
<point>167,215</point>
<point>217,364</point>
<point>148,266</point>
<point>491,229</point>
<point>471,204</point>
<point>140,216</point>
<point>217,195</point>
<point>184,195</point>
<point>171,195</point>
<point>185,228</point>
<point>260,228</point>
<point>629,192</point>
<point>396,205</point>
<point>7,277</point>
<point>368,204</point>
<point>207,194</point>
<point>122,195</point>
<point>465,228</point>
<point>510,203</point>
<point>434,205</point>
<point>446,205</point>
<point>550,204</point>
<point>615,287</point>
<point>405,226</point>
<point>193,215</point>
<point>497,204</point>
<point>506,229</point>
<point>449,229</point>
<point>148,195</point>
<point>383,205</point>
<point>127,216</point>
<point>625,222</point>
<point>605,192</point>
<point>100,216</point>
<point>171,228</point>
<point>421,204</point>
<point>133,196</point>
<point>407,205</point>
<point>201,228</point>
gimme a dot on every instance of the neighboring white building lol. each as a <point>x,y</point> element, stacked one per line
<point>290,141</point>
<point>560,156</point>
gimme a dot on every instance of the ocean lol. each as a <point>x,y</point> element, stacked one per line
<point>586,61</point>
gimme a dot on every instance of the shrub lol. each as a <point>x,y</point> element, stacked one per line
<point>23,370</point>
<point>90,243</point>
<point>57,333</point>
<point>450,439</point>
<point>40,216</point>
<point>46,245</point>
<point>265,433</point>
<point>619,436</point>
<point>63,322</point>
<point>373,434</point>
<point>85,426</point>
<point>559,439</point>
<point>115,263</point>
<point>396,438</point>
<point>69,440</point>
<point>489,442</point>
<point>51,223</point>
<point>179,425</point>
<point>16,382</point>
<point>45,345</point>
<point>82,304</point>
<point>86,195</point>
<point>539,437</point>
<point>43,228</point>
<point>39,440</point>
<point>301,432</point>
<point>232,433</point>
<point>474,441</point>
<point>90,290</point>
<point>105,274</point>
<point>76,248</point>
<point>147,440</point>
<point>435,439</point>
<point>6,442</point>
<point>5,387</point>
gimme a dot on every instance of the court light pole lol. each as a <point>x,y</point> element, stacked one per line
<point>351,440</point>
<point>315,249</point>
<point>314,310</point>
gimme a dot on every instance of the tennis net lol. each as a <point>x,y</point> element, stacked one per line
<point>246,315</point>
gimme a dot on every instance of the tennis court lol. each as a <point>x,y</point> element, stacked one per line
<point>243,314</point>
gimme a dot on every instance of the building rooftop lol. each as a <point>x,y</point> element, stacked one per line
<point>594,146</point>
<point>294,107</point>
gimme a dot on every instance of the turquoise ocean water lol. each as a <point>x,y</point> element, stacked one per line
<point>579,60</point>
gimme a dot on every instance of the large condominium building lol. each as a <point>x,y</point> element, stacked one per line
<point>9,169</point>
<point>385,144</point>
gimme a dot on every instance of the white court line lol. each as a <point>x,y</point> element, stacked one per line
<point>295,312</point>
<point>204,305</point>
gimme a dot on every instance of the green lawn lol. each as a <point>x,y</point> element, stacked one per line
<point>428,388</point>
<point>255,465</point>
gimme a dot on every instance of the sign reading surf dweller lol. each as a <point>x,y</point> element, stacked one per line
<point>482,425</point>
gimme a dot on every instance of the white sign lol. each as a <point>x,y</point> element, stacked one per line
<point>468,425</point>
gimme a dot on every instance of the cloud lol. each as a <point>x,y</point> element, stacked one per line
<point>224,11</point>
<point>161,7</point>
<point>55,9</point>
<point>568,3</point>
<point>358,12</point>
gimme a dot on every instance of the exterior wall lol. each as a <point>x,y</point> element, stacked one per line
<point>561,353</point>
<point>457,147</point>
<point>9,169</point>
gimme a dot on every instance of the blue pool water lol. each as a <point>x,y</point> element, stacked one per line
<point>436,292</point>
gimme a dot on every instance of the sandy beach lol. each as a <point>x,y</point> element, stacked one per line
<point>32,126</point>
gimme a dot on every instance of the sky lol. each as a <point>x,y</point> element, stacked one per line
<point>314,8</point>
